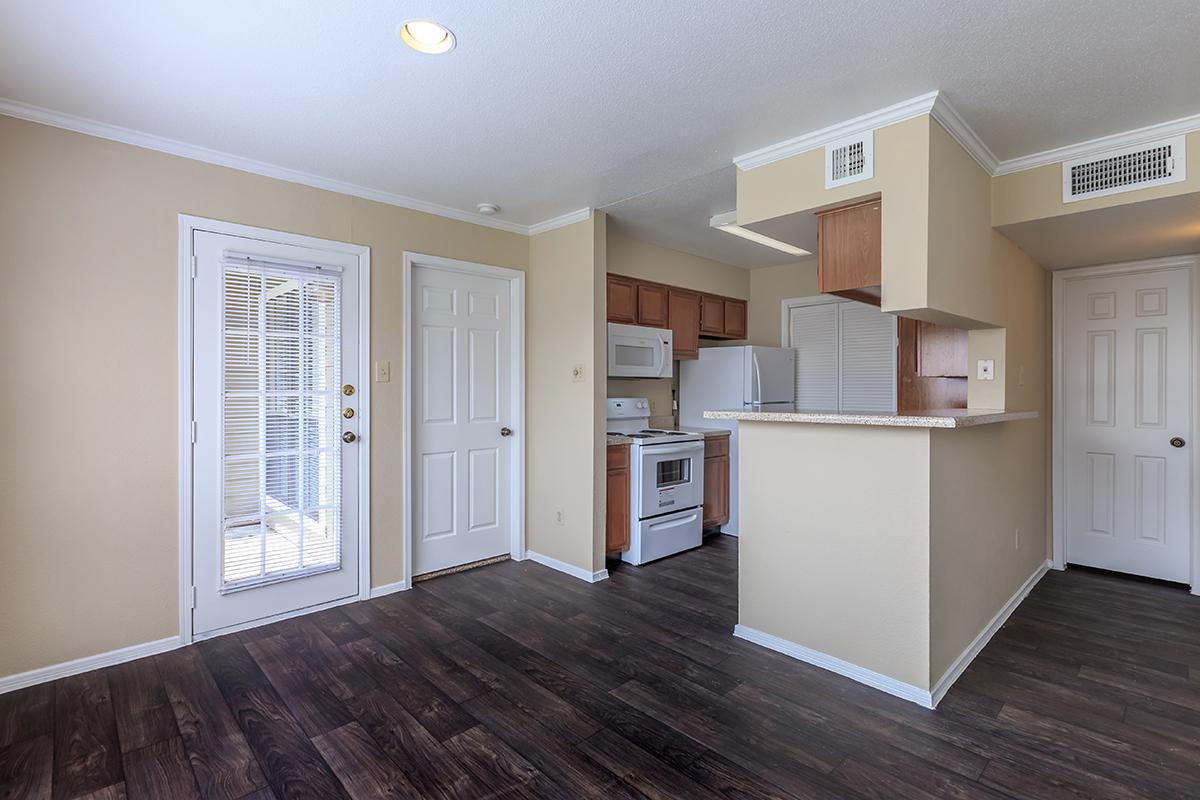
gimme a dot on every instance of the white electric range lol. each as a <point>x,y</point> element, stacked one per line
<point>666,483</point>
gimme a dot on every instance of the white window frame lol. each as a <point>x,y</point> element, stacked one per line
<point>785,332</point>
<point>188,225</point>
<point>516,280</point>
<point>1058,428</point>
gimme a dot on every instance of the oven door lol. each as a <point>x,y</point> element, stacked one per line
<point>672,477</point>
<point>638,352</point>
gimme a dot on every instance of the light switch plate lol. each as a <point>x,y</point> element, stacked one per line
<point>383,371</point>
<point>986,369</point>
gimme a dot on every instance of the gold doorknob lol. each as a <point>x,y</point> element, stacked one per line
<point>349,437</point>
<point>348,413</point>
<point>348,390</point>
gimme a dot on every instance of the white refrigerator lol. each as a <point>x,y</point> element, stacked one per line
<point>734,377</point>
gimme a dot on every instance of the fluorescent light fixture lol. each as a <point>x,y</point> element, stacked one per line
<point>426,36</point>
<point>728,222</point>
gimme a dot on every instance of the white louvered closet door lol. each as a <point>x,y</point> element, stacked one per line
<point>845,357</point>
<point>275,526</point>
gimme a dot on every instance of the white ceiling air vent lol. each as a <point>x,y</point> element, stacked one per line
<point>850,160</point>
<point>1124,170</point>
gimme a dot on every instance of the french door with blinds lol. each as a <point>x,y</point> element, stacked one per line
<point>845,355</point>
<point>277,411</point>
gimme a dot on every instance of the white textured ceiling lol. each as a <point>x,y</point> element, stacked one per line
<point>547,106</point>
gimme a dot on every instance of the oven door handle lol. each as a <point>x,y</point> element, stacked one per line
<point>672,449</point>
<point>673,523</point>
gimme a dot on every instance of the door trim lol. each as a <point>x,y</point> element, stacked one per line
<point>516,281</point>
<point>1058,422</point>
<point>189,224</point>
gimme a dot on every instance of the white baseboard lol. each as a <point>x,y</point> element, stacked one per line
<point>21,680</point>
<point>968,655</point>
<point>388,588</point>
<point>876,680</point>
<point>569,569</point>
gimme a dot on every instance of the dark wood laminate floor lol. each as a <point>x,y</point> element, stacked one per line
<point>514,681</point>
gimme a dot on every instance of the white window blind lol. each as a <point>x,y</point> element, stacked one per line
<point>845,357</point>
<point>814,337</point>
<point>281,407</point>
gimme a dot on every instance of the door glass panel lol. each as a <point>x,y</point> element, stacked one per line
<point>281,413</point>
<point>674,472</point>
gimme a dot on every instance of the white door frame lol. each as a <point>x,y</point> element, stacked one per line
<point>188,224</point>
<point>516,281</point>
<point>1058,421</point>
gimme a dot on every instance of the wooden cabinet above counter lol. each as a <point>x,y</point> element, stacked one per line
<point>849,251</point>
<point>690,315</point>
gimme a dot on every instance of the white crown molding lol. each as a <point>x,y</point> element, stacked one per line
<point>961,132</point>
<point>10,683</point>
<point>1097,147</point>
<point>90,127</point>
<point>561,221</point>
<point>906,109</point>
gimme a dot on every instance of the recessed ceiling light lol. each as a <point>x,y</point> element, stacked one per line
<point>426,36</point>
<point>728,222</point>
<point>487,209</point>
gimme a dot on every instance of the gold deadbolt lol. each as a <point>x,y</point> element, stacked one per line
<point>347,412</point>
<point>348,437</point>
<point>348,390</point>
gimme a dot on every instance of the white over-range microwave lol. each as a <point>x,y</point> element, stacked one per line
<point>635,351</point>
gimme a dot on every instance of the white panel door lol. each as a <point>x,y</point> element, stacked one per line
<point>276,489</point>
<point>1126,394</point>
<point>461,404</point>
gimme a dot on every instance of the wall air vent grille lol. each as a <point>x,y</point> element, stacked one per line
<point>1125,170</point>
<point>850,160</point>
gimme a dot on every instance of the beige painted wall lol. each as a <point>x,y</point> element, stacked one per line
<point>1037,193</point>
<point>638,259</point>
<point>820,567</point>
<point>901,177</point>
<point>769,287</point>
<point>565,300</point>
<point>88,483</point>
<point>990,483</point>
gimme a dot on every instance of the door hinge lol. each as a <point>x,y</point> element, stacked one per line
<point>193,431</point>
<point>193,599</point>
<point>195,266</point>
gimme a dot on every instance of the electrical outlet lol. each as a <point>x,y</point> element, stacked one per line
<point>383,371</point>
<point>558,516</point>
<point>986,369</point>
<point>577,373</point>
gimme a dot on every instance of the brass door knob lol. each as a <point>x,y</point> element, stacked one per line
<point>348,413</point>
<point>1177,441</point>
<point>348,390</point>
<point>506,431</point>
<point>349,437</point>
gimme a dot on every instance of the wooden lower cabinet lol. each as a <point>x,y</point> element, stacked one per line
<point>616,525</point>
<point>716,481</point>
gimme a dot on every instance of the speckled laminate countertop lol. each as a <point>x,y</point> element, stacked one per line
<point>941,418</point>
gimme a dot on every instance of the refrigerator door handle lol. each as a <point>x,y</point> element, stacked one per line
<point>756,397</point>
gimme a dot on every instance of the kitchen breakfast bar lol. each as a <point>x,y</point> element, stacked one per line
<point>852,554</point>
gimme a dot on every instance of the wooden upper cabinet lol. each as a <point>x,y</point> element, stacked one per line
<point>622,300</point>
<point>849,250</point>
<point>712,315</point>
<point>652,305</point>
<point>684,313</point>
<point>735,319</point>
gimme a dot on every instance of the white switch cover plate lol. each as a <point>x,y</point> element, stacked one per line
<point>383,371</point>
<point>986,369</point>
